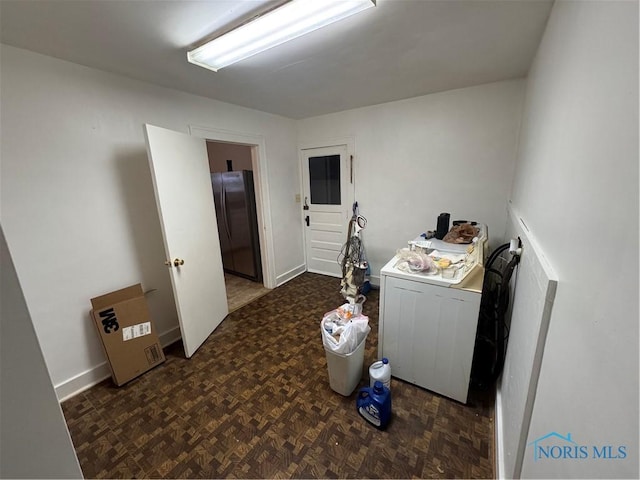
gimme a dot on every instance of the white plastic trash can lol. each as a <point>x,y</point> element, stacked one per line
<point>345,370</point>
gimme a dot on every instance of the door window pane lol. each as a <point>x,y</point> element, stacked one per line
<point>324,180</point>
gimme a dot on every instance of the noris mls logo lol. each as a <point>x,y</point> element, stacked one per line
<point>554,446</point>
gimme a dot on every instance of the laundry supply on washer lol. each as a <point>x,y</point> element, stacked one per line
<point>415,261</point>
<point>461,233</point>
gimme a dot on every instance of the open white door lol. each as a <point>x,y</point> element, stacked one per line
<point>182,184</point>
<point>328,199</point>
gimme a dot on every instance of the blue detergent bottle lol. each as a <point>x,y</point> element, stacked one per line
<point>374,404</point>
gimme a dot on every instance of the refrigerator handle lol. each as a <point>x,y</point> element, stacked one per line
<point>225,213</point>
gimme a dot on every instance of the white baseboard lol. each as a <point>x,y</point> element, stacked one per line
<point>291,274</point>
<point>82,382</point>
<point>170,336</point>
<point>97,374</point>
<point>299,270</point>
<point>498,440</point>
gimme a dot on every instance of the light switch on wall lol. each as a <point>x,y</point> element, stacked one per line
<point>297,198</point>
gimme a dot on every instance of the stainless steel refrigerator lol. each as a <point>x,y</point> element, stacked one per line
<point>237,223</point>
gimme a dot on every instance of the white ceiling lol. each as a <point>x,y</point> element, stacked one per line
<point>399,49</point>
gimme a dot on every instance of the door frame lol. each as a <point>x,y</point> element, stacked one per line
<point>348,142</point>
<point>263,208</point>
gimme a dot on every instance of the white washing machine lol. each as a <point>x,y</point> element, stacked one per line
<point>428,323</point>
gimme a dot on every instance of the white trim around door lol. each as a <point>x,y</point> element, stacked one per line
<point>263,207</point>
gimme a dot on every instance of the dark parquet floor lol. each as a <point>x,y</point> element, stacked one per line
<point>255,402</point>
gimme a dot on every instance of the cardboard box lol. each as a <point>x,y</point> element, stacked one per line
<point>127,333</point>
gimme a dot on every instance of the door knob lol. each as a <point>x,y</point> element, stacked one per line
<point>177,262</point>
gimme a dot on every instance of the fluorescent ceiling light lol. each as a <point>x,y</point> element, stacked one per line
<point>291,20</point>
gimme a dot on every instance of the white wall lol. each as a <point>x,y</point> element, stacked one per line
<point>77,201</point>
<point>576,188</point>
<point>79,212</point>
<point>34,440</point>
<point>447,152</point>
<point>219,153</point>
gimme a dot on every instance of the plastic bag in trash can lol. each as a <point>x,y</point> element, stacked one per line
<point>342,336</point>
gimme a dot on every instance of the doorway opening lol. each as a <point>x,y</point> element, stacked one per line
<point>231,169</point>
<point>256,144</point>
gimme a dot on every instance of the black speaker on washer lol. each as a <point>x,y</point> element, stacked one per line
<point>443,226</point>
